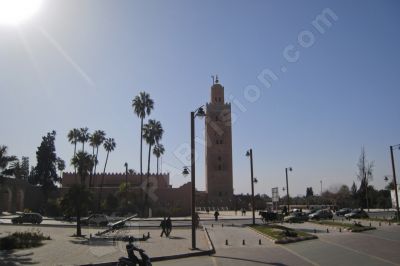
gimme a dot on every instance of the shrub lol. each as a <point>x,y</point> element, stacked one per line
<point>26,239</point>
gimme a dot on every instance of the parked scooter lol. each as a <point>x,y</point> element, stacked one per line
<point>132,260</point>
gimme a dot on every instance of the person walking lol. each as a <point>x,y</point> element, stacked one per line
<point>163,226</point>
<point>168,225</point>
<point>216,214</point>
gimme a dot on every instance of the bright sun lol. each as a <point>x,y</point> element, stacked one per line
<point>13,12</point>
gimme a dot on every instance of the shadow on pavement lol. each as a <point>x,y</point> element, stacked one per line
<point>8,258</point>
<point>256,261</point>
<point>92,242</point>
<point>177,237</point>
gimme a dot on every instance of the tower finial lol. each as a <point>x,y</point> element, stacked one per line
<point>216,79</point>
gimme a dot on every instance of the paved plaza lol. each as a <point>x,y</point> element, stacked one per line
<point>333,246</point>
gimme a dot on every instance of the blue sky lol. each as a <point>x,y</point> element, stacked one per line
<point>80,63</point>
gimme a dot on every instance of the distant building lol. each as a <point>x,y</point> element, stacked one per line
<point>219,174</point>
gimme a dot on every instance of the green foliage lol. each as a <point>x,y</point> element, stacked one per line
<point>5,160</point>
<point>45,173</point>
<point>20,240</point>
<point>77,199</point>
<point>84,163</point>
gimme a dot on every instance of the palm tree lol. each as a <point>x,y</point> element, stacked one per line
<point>84,136</point>
<point>73,137</point>
<point>142,105</point>
<point>60,166</point>
<point>4,161</point>
<point>152,133</point>
<point>158,150</point>
<point>109,145</point>
<point>78,195</point>
<point>75,201</point>
<point>95,140</point>
<point>83,161</point>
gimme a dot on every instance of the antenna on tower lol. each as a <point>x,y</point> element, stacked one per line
<point>213,78</point>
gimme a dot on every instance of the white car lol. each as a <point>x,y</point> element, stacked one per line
<point>95,219</point>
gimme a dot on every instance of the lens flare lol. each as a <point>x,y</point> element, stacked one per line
<point>14,12</point>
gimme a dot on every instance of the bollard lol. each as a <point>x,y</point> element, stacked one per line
<point>315,231</point>
<point>222,225</point>
<point>226,242</point>
<point>244,243</point>
<point>259,241</point>
<point>340,229</point>
<point>327,230</point>
<point>148,234</point>
<point>212,225</point>
<point>379,223</point>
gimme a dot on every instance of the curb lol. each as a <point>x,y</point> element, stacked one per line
<point>285,240</point>
<point>210,251</point>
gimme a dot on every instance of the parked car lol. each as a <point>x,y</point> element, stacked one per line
<point>356,214</point>
<point>95,219</point>
<point>31,217</point>
<point>343,211</point>
<point>321,214</point>
<point>296,217</point>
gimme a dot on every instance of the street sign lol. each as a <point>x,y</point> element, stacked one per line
<point>275,194</point>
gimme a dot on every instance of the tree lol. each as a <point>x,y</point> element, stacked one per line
<point>4,161</point>
<point>78,195</point>
<point>25,168</point>
<point>95,140</point>
<point>364,174</point>
<point>309,192</point>
<point>75,202</point>
<point>45,173</point>
<point>152,133</point>
<point>60,166</point>
<point>73,137</point>
<point>84,163</point>
<point>158,150</point>
<point>83,136</point>
<point>142,106</point>
<point>109,145</point>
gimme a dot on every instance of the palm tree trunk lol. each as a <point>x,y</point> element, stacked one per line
<point>78,218</point>
<point>95,165</point>
<point>102,180</point>
<point>91,172</point>
<point>141,146</point>
<point>157,165</point>
<point>74,156</point>
<point>147,179</point>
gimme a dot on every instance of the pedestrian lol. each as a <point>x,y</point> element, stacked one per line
<point>168,225</point>
<point>216,214</point>
<point>163,227</point>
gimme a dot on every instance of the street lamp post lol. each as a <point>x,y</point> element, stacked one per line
<point>126,184</point>
<point>287,187</point>
<point>394,179</point>
<point>199,112</point>
<point>249,153</point>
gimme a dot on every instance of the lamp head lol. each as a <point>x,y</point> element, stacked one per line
<point>386,178</point>
<point>185,171</point>
<point>248,153</point>
<point>255,180</point>
<point>200,112</point>
<point>126,164</point>
<point>290,169</point>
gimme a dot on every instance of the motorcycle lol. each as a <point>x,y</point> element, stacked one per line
<point>132,260</point>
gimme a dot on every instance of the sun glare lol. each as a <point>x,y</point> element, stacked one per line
<point>13,12</point>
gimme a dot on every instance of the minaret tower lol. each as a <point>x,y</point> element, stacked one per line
<point>219,181</point>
